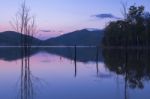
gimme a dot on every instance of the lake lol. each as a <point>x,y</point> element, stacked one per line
<point>74,73</point>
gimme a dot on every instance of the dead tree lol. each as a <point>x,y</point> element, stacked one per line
<point>24,23</point>
<point>124,10</point>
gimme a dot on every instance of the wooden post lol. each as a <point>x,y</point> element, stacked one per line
<point>75,60</point>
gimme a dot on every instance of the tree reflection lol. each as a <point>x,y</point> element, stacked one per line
<point>134,64</point>
<point>29,84</point>
<point>26,91</point>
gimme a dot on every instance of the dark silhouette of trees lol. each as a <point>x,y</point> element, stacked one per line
<point>131,31</point>
<point>24,23</point>
<point>133,64</point>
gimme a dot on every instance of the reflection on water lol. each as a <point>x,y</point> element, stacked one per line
<point>75,73</point>
<point>82,54</point>
<point>133,64</point>
<point>26,91</point>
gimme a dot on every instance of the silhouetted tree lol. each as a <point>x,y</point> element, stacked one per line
<point>24,23</point>
<point>132,31</point>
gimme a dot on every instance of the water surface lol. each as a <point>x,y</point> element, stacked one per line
<point>75,73</point>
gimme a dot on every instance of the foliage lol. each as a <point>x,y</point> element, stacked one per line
<point>131,31</point>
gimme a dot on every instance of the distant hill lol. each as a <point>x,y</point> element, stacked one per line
<point>11,38</point>
<point>83,37</point>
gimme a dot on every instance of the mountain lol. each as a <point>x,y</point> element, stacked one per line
<point>11,38</point>
<point>83,37</point>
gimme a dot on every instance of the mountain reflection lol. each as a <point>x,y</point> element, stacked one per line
<point>15,53</point>
<point>134,64</point>
<point>82,54</point>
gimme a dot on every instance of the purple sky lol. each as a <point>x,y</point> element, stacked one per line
<point>55,17</point>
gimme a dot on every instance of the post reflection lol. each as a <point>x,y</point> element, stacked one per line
<point>97,60</point>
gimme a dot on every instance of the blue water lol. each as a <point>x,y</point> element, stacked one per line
<point>54,75</point>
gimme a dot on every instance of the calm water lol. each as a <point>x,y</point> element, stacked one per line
<point>75,73</point>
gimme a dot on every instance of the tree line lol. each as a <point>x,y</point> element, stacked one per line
<point>133,30</point>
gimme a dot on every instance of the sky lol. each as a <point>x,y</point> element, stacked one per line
<point>56,17</point>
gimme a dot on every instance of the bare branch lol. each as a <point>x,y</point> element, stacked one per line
<point>23,22</point>
<point>124,9</point>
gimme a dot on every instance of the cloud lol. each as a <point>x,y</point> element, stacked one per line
<point>50,31</point>
<point>45,30</point>
<point>105,16</point>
